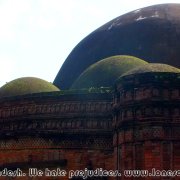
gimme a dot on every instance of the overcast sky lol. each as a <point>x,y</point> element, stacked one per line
<point>36,36</point>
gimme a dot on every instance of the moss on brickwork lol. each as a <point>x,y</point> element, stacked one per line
<point>26,85</point>
<point>105,72</point>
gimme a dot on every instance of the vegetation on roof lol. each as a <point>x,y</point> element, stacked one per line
<point>152,67</point>
<point>105,72</point>
<point>26,85</point>
<point>87,90</point>
<point>102,90</point>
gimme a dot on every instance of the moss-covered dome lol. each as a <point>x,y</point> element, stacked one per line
<point>152,67</point>
<point>105,72</point>
<point>26,85</point>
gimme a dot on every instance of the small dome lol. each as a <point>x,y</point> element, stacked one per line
<point>26,85</point>
<point>152,67</point>
<point>105,72</point>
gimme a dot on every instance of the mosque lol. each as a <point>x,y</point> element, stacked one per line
<point>114,104</point>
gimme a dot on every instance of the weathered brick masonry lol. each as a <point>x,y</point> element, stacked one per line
<point>147,122</point>
<point>135,127</point>
<point>47,131</point>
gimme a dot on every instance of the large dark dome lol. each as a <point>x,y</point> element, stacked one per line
<point>151,33</point>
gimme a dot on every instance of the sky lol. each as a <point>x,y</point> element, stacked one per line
<point>36,36</point>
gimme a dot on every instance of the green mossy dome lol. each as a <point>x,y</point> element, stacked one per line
<point>153,67</point>
<point>26,85</point>
<point>105,72</point>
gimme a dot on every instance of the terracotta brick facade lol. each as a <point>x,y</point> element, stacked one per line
<point>147,123</point>
<point>136,127</point>
<point>68,132</point>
